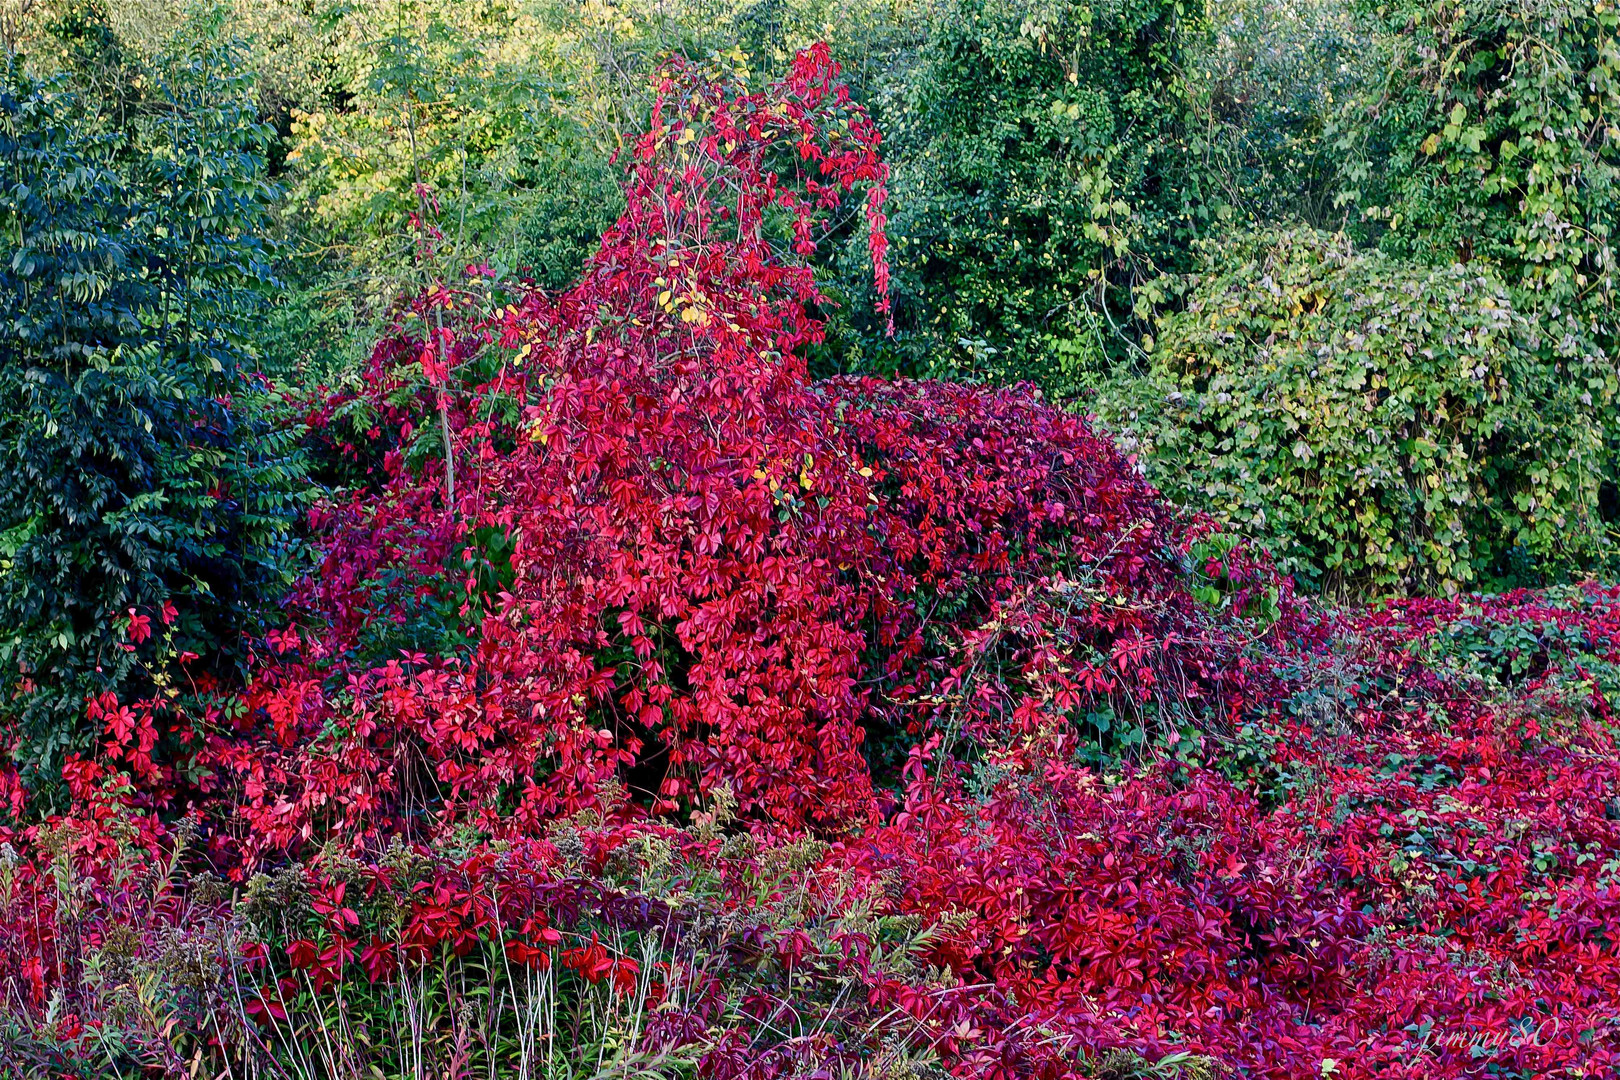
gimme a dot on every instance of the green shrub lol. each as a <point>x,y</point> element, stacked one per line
<point>1038,173</point>
<point>466,100</point>
<point>142,468</point>
<point>1383,426</point>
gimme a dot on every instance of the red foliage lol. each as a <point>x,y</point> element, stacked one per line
<point>1155,802</point>
<point>721,573</point>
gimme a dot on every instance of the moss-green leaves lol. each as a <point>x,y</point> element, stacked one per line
<point>1385,426</point>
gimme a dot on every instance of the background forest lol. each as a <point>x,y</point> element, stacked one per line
<point>1337,278</point>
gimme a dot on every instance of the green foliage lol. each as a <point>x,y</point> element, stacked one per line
<point>1038,173</point>
<point>1494,137</point>
<point>1264,90</point>
<point>468,100</point>
<point>1384,426</point>
<point>142,466</point>
<point>1506,653</point>
<point>1215,585</point>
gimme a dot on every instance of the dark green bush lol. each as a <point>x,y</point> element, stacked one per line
<point>1494,136</point>
<point>143,465</point>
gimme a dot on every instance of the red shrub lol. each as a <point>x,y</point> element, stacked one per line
<point>720,573</point>
<point>1152,802</point>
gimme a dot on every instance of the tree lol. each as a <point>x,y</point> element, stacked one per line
<point>146,491</point>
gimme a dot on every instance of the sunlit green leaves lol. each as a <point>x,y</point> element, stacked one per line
<point>1384,426</point>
